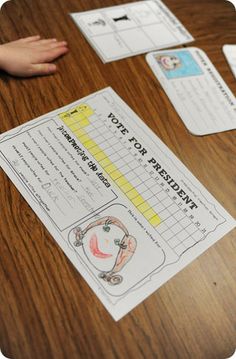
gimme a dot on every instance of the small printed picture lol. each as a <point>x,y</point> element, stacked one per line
<point>178,64</point>
<point>121,19</point>
<point>96,24</point>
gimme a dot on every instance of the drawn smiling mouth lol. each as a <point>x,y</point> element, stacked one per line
<point>166,63</point>
<point>93,245</point>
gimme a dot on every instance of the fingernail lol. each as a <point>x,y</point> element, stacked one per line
<point>52,67</point>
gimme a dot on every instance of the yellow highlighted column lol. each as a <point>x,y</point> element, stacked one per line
<point>121,181</point>
<point>79,133</point>
<point>115,175</point>
<point>154,221</point>
<point>100,156</point>
<point>138,200</point>
<point>132,194</point>
<point>83,139</point>
<point>77,119</point>
<point>127,187</point>
<point>149,213</point>
<point>105,162</point>
<point>143,207</point>
<point>95,150</point>
<point>89,144</point>
<point>85,109</point>
<point>84,123</point>
<point>110,168</point>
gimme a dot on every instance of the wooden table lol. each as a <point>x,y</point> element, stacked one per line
<point>47,309</point>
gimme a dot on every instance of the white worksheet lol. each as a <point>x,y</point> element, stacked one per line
<point>125,210</point>
<point>199,94</point>
<point>130,29</point>
<point>230,54</point>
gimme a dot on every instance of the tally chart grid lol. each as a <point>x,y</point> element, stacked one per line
<point>178,231</point>
<point>130,11</point>
<point>151,7</point>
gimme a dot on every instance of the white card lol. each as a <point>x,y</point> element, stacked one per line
<point>199,94</point>
<point>230,54</point>
<point>131,29</point>
<point>125,210</point>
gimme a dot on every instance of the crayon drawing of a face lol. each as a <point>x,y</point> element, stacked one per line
<point>107,245</point>
<point>169,62</point>
<point>100,246</point>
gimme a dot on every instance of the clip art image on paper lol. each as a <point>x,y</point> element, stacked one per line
<point>168,62</point>
<point>108,246</point>
<point>178,64</point>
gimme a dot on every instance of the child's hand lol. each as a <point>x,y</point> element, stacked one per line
<point>31,56</point>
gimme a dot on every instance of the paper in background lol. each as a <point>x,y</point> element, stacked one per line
<point>130,29</point>
<point>230,54</point>
<point>199,94</point>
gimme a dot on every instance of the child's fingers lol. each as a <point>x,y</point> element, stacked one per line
<point>29,39</point>
<point>57,44</point>
<point>45,41</point>
<point>52,54</point>
<point>42,69</point>
<point>52,45</point>
<point>35,40</point>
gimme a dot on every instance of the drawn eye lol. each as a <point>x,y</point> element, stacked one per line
<point>106,228</point>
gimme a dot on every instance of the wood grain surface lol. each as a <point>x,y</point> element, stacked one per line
<point>47,311</point>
